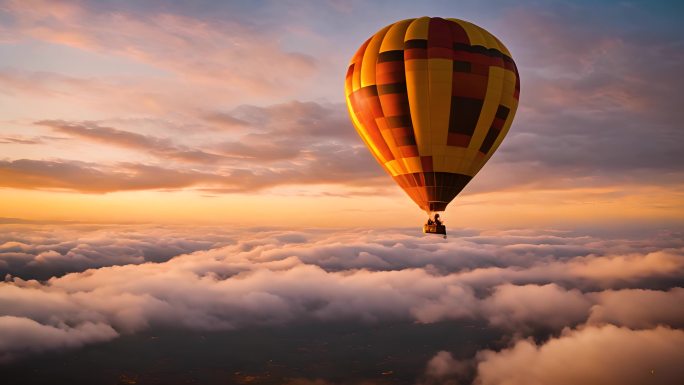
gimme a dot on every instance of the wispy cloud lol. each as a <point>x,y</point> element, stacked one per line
<point>92,178</point>
<point>282,144</point>
<point>203,50</point>
<point>231,80</point>
<point>108,135</point>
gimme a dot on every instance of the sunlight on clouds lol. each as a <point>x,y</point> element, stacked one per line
<point>522,285</point>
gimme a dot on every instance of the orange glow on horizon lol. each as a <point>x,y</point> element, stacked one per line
<point>533,208</point>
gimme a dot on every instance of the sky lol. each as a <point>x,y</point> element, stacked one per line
<point>183,199</point>
<point>233,112</point>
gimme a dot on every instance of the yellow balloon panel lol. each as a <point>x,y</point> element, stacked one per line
<point>432,98</point>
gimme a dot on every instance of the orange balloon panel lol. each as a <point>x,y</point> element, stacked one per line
<point>432,99</point>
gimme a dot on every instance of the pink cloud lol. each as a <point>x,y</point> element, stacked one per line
<point>534,306</point>
<point>201,50</point>
<point>592,355</point>
<point>266,278</point>
<point>638,308</point>
<point>22,335</point>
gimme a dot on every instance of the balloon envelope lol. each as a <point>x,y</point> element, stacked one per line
<point>432,99</point>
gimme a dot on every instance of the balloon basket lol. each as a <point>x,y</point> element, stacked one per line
<point>434,229</point>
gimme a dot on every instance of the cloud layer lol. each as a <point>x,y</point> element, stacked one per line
<point>564,288</point>
<point>606,354</point>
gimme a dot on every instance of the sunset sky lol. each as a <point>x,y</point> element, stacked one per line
<point>233,112</point>
<point>183,199</point>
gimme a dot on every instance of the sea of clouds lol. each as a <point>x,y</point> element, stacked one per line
<point>575,308</point>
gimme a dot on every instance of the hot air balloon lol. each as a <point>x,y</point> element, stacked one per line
<point>432,99</point>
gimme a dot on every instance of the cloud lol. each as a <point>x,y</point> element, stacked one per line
<point>444,369</point>
<point>200,50</point>
<point>590,272</point>
<point>64,175</point>
<point>225,121</point>
<point>54,94</point>
<point>93,178</point>
<point>592,355</point>
<point>25,140</point>
<point>233,279</point>
<point>19,336</point>
<point>601,114</point>
<point>160,147</point>
<point>283,144</point>
<point>592,114</point>
<point>535,306</point>
<point>295,124</point>
<point>309,121</point>
<point>39,251</point>
<point>638,308</point>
